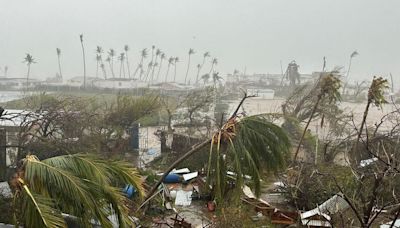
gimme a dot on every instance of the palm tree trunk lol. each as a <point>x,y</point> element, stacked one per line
<point>120,69</point>
<point>84,65</point>
<point>127,65</point>
<point>159,69</point>
<point>212,68</point>
<point>194,150</point>
<point>175,72</point>
<point>166,75</point>
<point>347,76</point>
<point>104,71</point>
<point>59,66</point>
<point>27,76</point>
<point>187,70</point>
<point>305,129</point>
<point>112,66</point>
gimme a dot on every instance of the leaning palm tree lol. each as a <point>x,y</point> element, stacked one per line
<point>103,68</point>
<point>198,73</point>
<point>111,54</point>
<point>243,145</point>
<point>158,53</point>
<point>84,61</point>
<point>126,49</point>
<point>108,60</point>
<point>170,62</point>
<point>58,50</point>
<point>143,55</point>
<point>353,54</point>
<point>191,52</point>
<point>328,87</point>
<point>162,57</point>
<point>121,59</point>
<point>216,79</point>
<point>214,62</point>
<point>82,186</point>
<point>205,78</point>
<point>176,60</point>
<point>29,60</point>
<point>375,96</point>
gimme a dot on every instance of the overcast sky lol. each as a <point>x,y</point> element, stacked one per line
<point>256,34</point>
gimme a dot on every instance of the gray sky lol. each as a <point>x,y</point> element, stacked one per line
<point>252,33</point>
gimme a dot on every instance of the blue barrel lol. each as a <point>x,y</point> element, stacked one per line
<point>172,178</point>
<point>130,191</point>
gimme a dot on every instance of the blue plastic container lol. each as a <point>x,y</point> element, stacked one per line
<point>172,178</point>
<point>130,191</point>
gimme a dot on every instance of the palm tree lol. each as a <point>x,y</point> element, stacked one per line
<point>191,52</point>
<point>375,96</point>
<point>126,49</point>
<point>58,50</point>
<point>108,59</point>
<point>162,57</point>
<point>198,73</point>
<point>99,59</point>
<point>216,78</point>
<point>80,185</point>
<point>205,78</point>
<point>205,56</point>
<point>149,66</point>
<point>328,87</point>
<point>158,53</point>
<point>214,62</point>
<point>84,61</point>
<point>353,54</point>
<point>143,55</point>
<point>103,68</point>
<point>170,62</point>
<point>121,58</point>
<point>29,60</point>
<point>244,145</point>
<point>111,54</point>
<point>98,63</point>
<point>176,60</point>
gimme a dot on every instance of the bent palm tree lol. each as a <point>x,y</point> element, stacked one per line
<point>214,62</point>
<point>98,63</point>
<point>353,54</point>
<point>143,55</point>
<point>191,52</point>
<point>244,145</point>
<point>29,60</point>
<point>80,185</point>
<point>328,86</point>
<point>162,57</point>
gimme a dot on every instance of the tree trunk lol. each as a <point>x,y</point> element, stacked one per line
<point>159,69</point>
<point>84,65</point>
<point>59,66</point>
<point>195,149</point>
<point>127,65</point>
<point>166,75</point>
<point>305,129</point>
<point>187,70</point>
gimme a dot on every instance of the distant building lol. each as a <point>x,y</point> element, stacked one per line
<point>18,83</point>
<point>119,83</point>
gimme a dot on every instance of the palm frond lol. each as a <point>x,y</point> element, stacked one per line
<point>38,210</point>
